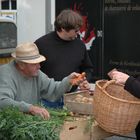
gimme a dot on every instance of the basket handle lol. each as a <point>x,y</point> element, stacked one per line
<point>108,83</point>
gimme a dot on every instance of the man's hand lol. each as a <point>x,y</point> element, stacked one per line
<point>76,78</point>
<point>35,110</point>
<point>84,85</point>
<point>80,80</point>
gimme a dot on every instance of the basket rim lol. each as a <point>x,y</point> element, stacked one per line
<point>122,100</point>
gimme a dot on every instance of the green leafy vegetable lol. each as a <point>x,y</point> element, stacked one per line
<point>15,125</point>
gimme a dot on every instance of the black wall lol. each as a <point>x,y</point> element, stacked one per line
<point>122,37</point>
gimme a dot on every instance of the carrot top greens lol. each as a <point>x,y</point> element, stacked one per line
<point>15,125</point>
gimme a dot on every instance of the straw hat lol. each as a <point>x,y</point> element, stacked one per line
<point>28,53</point>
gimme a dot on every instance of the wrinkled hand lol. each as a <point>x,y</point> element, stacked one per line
<point>77,78</point>
<point>35,110</point>
<point>119,77</point>
<point>84,85</point>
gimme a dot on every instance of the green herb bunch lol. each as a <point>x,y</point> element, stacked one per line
<point>15,125</point>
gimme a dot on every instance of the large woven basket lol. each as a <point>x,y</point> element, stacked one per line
<point>115,109</point>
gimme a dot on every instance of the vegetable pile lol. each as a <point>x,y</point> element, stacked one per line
<point>15,125</point>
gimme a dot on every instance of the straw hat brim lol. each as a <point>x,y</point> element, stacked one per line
<point>39,59</point>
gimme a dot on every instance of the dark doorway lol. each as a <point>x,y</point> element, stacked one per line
<point>121,36</point>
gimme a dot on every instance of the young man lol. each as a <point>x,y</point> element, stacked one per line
<point>65,52</point>
<point>23,85</point>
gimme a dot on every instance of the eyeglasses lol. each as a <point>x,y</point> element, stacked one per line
<point>77,30</point>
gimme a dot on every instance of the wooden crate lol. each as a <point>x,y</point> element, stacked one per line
<point>78,129</point>
<point>77,106</point>
<point>81,130</point>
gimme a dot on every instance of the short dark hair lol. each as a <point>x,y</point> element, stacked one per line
<point>68,19</point>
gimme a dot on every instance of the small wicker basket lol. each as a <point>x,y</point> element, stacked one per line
<point>115,109</point>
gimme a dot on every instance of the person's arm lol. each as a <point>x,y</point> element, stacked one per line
<point>7,101</point>
<point>7,98</point>
<point>8,90</point>
<point>133,86</point>
<point>53,90</point>
<point>130,83</point>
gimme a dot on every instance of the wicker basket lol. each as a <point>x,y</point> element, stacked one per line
<point>115,109</point>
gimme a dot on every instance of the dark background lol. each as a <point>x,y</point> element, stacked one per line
<point>122,38</point>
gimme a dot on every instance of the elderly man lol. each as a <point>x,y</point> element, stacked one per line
<point>22,84</point>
